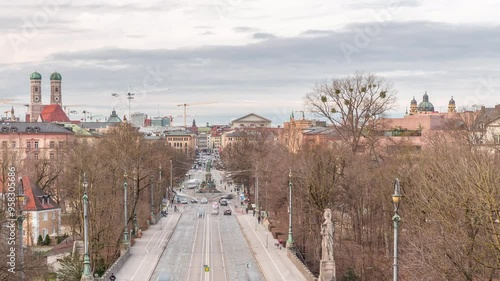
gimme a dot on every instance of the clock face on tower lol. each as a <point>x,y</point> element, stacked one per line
<point>37,98</point>
<point>56,98</point>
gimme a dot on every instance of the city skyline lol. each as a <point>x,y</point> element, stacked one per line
<point>245,56</point>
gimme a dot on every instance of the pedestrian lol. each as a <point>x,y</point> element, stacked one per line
<point>112,277</point>
<point>247,210</point>
<point>254,212</point>
<point>258,219</point>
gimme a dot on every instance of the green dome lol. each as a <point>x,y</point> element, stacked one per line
<point>35,76</point>
<point>425,105</point>
<point>55,76</point>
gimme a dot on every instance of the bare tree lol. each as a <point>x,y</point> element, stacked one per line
<point>352,104</point>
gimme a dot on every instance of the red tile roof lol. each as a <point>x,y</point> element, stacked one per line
<point>35,198</point>
<point>53,113</point>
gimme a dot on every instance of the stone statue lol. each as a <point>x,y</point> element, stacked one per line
<point>327,231</point>
<point>327,265</point>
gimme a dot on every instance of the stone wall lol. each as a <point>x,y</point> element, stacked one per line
<point>302,267</point>
<point>115,267</point>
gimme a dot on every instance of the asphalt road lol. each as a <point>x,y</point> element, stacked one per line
<point>212,240</point>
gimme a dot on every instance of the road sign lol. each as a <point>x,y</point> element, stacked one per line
<point>207,268</point>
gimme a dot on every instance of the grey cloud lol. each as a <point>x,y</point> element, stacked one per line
<point>382,4</point>
<point>317,32</point>
<point>262,35</point>
<point>440,58</point>
<point>245,29</point>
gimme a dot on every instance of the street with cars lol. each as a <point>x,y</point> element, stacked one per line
<point>210,241</point>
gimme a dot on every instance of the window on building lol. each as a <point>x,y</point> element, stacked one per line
<point>53,215</point>
<point>52,156</point>
<point>61,144</point>
<point>45,215</point>
<point>13,144</point>
<point>44,233</point>
<point>4,144</point>
<point>57,90</point>
<point>36,144</point>
<point>496,139</point>
<point>36,155</point>
<point>52,144</point>
<point>53,230</point>
<point>28,144</point>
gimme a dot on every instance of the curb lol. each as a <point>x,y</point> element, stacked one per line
<point>253,252</point>
<point>166,244</point>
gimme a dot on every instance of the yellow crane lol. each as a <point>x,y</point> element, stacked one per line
<point>189,104</point>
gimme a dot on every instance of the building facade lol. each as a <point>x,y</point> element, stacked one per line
<point>42,215</point>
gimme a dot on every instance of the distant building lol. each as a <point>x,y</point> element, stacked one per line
<point>36,106</point>
<point>251,121</point>
<point>138,119</point>
<point>160,121</point>
<point>181,141</point>
<point>42,213</point>
<point>23,141</point>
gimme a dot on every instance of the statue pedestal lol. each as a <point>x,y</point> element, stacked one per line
<point>327,271</point>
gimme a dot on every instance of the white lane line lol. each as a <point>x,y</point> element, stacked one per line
<point>146,256</point>
<point>165,235</point>
<point>207,250</point>
<point>222,252</point>
<point>267,252</point>
<point>192,250</point>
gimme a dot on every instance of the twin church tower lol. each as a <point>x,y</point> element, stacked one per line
<point>36,106</point>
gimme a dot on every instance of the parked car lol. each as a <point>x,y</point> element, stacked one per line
<point>223,202</point>
<point>184,201</point>
<point>227,212</point>
<point>214,212</point>
<point>204,200</point>
<point>194,200</point>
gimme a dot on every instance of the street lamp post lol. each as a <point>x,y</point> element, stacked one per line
<point>257,200</point>
<point>171,179</point>
<point>289,241</point>
<point>152,202</point>
<point>87,274</point>
<point>125,230</point>
<point>396,200</point>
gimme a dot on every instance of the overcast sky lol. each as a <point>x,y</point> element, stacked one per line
<point>243,56</point>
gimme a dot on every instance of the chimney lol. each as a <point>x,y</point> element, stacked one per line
<point>27,118</point>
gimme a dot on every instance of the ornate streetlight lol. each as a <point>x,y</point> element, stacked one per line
<point>396,200</point>
<point>126,242</point>
<point>152,201</point>
<point>87,274</point>
<point>289,241</point>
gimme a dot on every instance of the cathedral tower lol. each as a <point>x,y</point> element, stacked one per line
<point>451,106</point>
<point>36,96</point>
<point>413,106</point>
<point>55,89</point>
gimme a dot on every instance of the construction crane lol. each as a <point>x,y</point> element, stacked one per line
<point>189,104</point>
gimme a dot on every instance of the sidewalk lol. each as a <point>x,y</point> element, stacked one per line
<point>147,250</point>
<point>273,261</point>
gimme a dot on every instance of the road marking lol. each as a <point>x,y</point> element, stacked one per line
<point>165,229</point>
<point>192,250</point>
<point>207,249</point>
<point>146,256</point>
<point>222,252</point>
<point>265,249</point>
